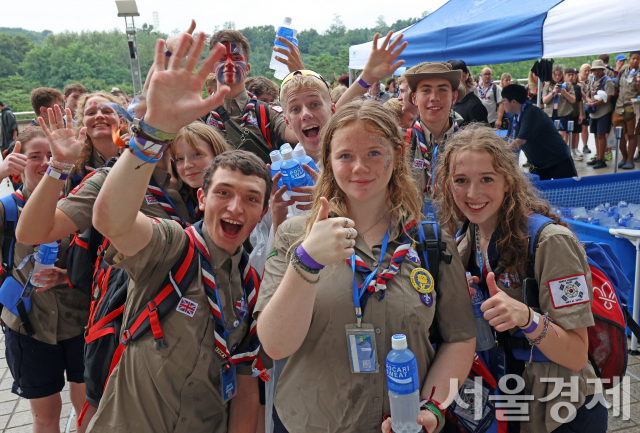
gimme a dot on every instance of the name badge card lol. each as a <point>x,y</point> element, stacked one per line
<point>228,381</point>
<point>361,342</point>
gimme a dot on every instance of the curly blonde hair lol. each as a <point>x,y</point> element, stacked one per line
<point>85,155</point>
<point>520,199</point>
<point>404,199</point>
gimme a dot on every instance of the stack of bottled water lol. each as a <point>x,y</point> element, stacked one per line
<point>623,215</point>
<point>289,162</point>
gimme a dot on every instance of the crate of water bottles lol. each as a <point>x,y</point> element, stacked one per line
<point>595,204</point>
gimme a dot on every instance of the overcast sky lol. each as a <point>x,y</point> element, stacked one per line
<point>77,15</point>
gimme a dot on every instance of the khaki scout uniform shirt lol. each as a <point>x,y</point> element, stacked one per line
<point>564,107</point>
<point>176,389</point>
<point>56,314</point>
<point>317,391</point>
<point>235,108</point>
<point>78,205</point>
<point>628,92</point>
<point>559,255</point>
<point>609,88</point>
<point>421,175</point>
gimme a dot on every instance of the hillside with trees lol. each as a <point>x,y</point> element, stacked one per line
<point>100,59</point>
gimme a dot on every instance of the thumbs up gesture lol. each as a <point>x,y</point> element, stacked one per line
<point>331,239</point>
<point>14,164</point>
<point>502,311</point>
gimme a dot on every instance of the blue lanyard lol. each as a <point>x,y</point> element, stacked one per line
<point>479,253</point>
<point>516,121</point>
<point>358,292</point>
<point>166,196</point>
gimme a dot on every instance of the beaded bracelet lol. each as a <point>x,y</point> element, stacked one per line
<point>546,320</point>
<point>61,165</point>
<point>298,261</point>
<point>295,268</point>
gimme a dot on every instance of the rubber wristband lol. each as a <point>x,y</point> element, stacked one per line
<point>363,83</point>
<point>307,260</point>
<point>167,53</point>
<point>56,175</point>
<point>534,324</point>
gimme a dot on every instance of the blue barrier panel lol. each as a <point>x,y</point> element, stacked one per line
<point>589,192</point>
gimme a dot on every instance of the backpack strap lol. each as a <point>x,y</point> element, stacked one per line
<point>177,282</point>
<point>264,121</point>
<point>10,223</point>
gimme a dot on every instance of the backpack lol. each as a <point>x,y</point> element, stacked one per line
<point>12,203</point>
<point>244,138</point>
<point>608,350</point>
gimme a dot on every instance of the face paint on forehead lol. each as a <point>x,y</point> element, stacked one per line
<point>234,67</point>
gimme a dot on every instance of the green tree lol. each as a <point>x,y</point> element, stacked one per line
<point>16,92</point>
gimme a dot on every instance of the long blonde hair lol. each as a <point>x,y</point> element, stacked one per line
<point>87,150</point>
<point>520,199</point>
<point>404,199</point>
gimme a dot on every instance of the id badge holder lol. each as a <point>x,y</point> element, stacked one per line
<point>361,343</point>
<point>228,381</point>
<point>497,361</point>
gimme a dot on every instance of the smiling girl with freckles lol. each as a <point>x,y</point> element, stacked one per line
<point>479,183</point>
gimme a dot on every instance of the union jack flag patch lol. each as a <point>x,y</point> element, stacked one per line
<point>187,307</point>
<point>241,305</point>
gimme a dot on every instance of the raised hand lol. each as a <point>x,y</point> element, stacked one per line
<point>14,164</point>
<point>381,60</point>
<point>292,59</point>
<point>502,311</point>
<point>175,94</point>
<point>65,146</point>
<point>174,42</point>
<point>331,239</point>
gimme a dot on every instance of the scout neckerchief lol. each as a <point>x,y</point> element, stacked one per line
<point>216,120</point>
<point>430,165</point>
<point>516,121</point>
<point>19,198</point>
<point>374,281</point>
<point>193,208</point>
<point>483,93</point>
<point>166,203</point>
<point>601,82</point>
<point>247,302</point>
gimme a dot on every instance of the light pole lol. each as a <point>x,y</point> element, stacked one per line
<point>129,9</point>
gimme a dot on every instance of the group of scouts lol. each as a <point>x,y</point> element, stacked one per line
<point>179,203</point>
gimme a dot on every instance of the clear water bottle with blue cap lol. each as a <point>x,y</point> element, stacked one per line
<point>293,175</point>
<point>404,386</point>
<point>484,340</point>
<point>276,163</point>
<point>300,154</point>
<point>285,31</point>
<point>45,258</point>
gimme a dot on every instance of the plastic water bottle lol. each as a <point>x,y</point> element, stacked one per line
<point>302,156</point>
<point>484,340</point>
<point>293,175</point>
<point>404,386</point>
<point>276,163</point>
<point>285,31</point>
<point>634,224</point>
<point>45,258</point>
<point>565,211</point>
<point>578,213</point>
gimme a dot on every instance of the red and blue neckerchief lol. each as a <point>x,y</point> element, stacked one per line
<point>193,207</point>
<point>483,93</point>
<point>374,281</point>
<point>166,203</point>
<point>429,164</point>
<point>249,115</point>
<point>251,287</point>
<point>19,198</point>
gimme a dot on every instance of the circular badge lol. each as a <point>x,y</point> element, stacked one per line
<point>571,290</point>
<point>421,280</point>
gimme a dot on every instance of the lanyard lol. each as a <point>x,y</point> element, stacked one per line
<point>555,102</point>
<point>485,267</point>
<point>170,202</point>
<point>358,292</point>
<point>516,121</point>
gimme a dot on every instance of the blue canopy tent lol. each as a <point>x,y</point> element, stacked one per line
<point>483,32</point>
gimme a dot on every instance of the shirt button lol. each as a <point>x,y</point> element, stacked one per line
<point>190,383</point>
<point>215,267</point>
<point>377,295</point>
<point>377,330</point>
<point>375,400</point>
<point>53,312</point>
<point>236,323</point>
<point>375,263</point>
<point>184,419</point>
<point>204,356</point>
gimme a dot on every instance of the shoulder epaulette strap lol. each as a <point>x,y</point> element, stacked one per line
<point>10,222</point>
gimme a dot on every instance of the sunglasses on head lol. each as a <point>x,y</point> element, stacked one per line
<point>308,72</point>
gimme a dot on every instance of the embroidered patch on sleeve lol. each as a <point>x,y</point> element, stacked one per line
<point>418,163</point>
<point>169,232</point>
<point>93,184</point>
<point>569,291</point>
<point>272,254</point>
<point>151,199</point>
<point>276,108</point>
<point>187,306</point>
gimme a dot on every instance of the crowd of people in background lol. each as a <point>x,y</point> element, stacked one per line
<point>153,197</point>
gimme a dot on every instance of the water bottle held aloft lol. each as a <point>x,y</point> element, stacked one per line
<point>293,175</point>
<point>284,31</point>
<point>404,386</point>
